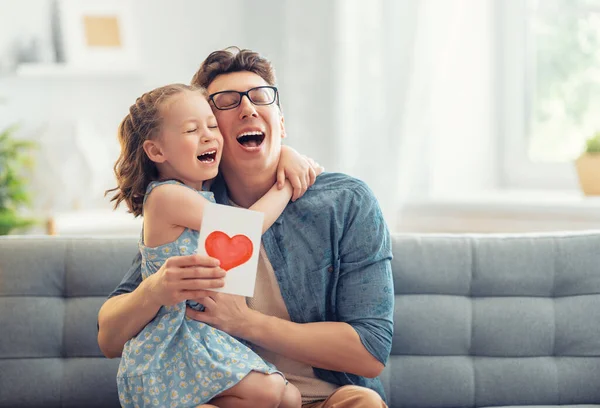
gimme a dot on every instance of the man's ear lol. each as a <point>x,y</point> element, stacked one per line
<point>153,151</point>
<point>282,126</point>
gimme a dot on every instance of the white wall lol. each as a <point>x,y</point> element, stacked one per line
<point>299,38</point>
<point>174,37</point>
<point>439,100</point>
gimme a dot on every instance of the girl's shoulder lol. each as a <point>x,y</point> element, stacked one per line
<point>157,183</point>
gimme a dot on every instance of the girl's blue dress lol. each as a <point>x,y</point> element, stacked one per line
<point>176,361</point>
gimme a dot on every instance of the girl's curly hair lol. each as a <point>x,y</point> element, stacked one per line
<point>133,169</point>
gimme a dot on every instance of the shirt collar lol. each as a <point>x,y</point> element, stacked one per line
<point>219,188</point>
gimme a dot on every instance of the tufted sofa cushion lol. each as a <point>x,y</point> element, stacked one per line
<point>495,321</point>
<point>50,292</point>
<point>479,320</point>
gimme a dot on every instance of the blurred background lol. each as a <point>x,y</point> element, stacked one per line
<point>461,115</point>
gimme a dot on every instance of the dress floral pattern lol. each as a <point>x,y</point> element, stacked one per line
<point>176,361</point>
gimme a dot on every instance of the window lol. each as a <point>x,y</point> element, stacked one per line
<point>549,86</point>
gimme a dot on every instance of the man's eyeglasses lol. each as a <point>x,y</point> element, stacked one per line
<point>261,95</point>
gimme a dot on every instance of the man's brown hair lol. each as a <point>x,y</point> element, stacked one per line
<point>232,59</point>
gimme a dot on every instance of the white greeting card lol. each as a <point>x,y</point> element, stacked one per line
<point>232,235</point>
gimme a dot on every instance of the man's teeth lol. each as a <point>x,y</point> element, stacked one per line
<point>253,133</point>
<point>251,138</point>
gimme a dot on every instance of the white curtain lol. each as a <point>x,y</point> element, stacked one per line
<point>415,97</point>
<point>384,90</point>
<point>384,97</point>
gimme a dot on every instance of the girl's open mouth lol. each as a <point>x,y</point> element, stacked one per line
<point>208,156</point>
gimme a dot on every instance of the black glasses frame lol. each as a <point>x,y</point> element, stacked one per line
<point>211,97</point>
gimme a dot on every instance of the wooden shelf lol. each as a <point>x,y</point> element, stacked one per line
<point>70,71</point>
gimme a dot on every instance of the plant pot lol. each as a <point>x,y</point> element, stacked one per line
<point>588,170</point>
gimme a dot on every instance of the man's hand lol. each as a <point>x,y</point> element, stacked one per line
<point>331,345</point>
<point>300,170</point>
<point>184,277</point>
<point>225,312</point>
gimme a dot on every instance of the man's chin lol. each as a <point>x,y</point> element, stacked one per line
<point>253,166</point>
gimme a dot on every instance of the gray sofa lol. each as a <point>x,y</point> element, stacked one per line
<point>480,320</point>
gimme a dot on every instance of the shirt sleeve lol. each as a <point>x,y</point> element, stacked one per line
<point>132,278</point>
<point>365,289</point>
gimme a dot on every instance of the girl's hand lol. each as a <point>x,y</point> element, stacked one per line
<point>184,277</point>
<point>300,170</point>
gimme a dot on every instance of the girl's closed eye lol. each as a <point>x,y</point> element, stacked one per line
<point>191,130</point>
<point>212,123</point>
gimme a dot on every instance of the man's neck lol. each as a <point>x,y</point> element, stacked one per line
<point>245,189</point>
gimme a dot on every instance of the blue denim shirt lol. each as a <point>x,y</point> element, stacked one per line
<point>331,253</point>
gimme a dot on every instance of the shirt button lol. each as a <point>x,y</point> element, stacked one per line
<point>330,269</point>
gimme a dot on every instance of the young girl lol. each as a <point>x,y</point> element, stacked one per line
<point>170,150</point>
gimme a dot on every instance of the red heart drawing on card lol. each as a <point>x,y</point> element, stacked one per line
<point>231,252</point>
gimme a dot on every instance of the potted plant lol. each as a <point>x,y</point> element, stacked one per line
<point>588,166</point>
<point>15,160</point>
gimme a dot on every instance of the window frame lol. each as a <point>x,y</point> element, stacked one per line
<point>518,171</point>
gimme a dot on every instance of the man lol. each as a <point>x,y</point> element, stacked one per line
<point>323,305</point>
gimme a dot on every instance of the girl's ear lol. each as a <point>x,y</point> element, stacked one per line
<point>153,151</point>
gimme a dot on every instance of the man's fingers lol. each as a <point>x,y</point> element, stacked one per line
<point>198,316</point>
<point>208,302</point>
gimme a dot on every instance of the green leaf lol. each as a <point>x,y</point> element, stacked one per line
<point>593,144</point>
<point>15,164</point>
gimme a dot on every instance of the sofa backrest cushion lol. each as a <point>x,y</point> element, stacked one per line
<point>55,286</point>
<point>495,320</point>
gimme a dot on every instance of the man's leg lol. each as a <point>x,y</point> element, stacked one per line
<point>350,396</point>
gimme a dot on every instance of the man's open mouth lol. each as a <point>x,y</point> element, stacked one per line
<point>251,139</point>
<point>208,156</point>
